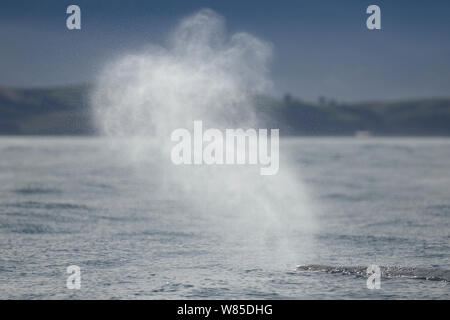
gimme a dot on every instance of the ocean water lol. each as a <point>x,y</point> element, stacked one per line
<point>74,201</point>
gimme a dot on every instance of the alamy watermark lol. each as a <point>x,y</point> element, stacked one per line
<point>73,22</point>
<point>74,280</point>
<point>373,22</point>
<point>374,279</point>
<point>235,146</point>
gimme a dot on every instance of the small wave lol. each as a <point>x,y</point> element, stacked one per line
<point>36,190</point>
<point>386,271</point>
<point>439,210</point>
<point>48,205</point>
<point>28,228</point>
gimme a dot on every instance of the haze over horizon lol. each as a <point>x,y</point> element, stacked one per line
<point>319,49</point>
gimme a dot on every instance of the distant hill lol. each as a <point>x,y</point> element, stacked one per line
<point>65,111</point>
<point>48,111</point>
<point>424,117</point>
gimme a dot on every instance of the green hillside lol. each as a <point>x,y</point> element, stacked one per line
<point>48,111</point>
<point>65,111</point>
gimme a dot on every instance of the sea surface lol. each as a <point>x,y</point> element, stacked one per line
<point>76,201</point>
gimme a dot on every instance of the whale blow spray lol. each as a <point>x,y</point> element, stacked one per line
<point>203,73</point>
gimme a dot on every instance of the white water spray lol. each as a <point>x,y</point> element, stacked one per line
<point>205,74</point>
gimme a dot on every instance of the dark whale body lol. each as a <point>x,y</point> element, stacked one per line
<point>386,271</point>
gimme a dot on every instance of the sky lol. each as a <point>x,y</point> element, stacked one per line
<point>321,48</point>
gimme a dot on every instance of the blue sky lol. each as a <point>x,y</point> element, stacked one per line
<point>320,47</point>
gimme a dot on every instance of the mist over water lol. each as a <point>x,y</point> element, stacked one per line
<point>204,73</point>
